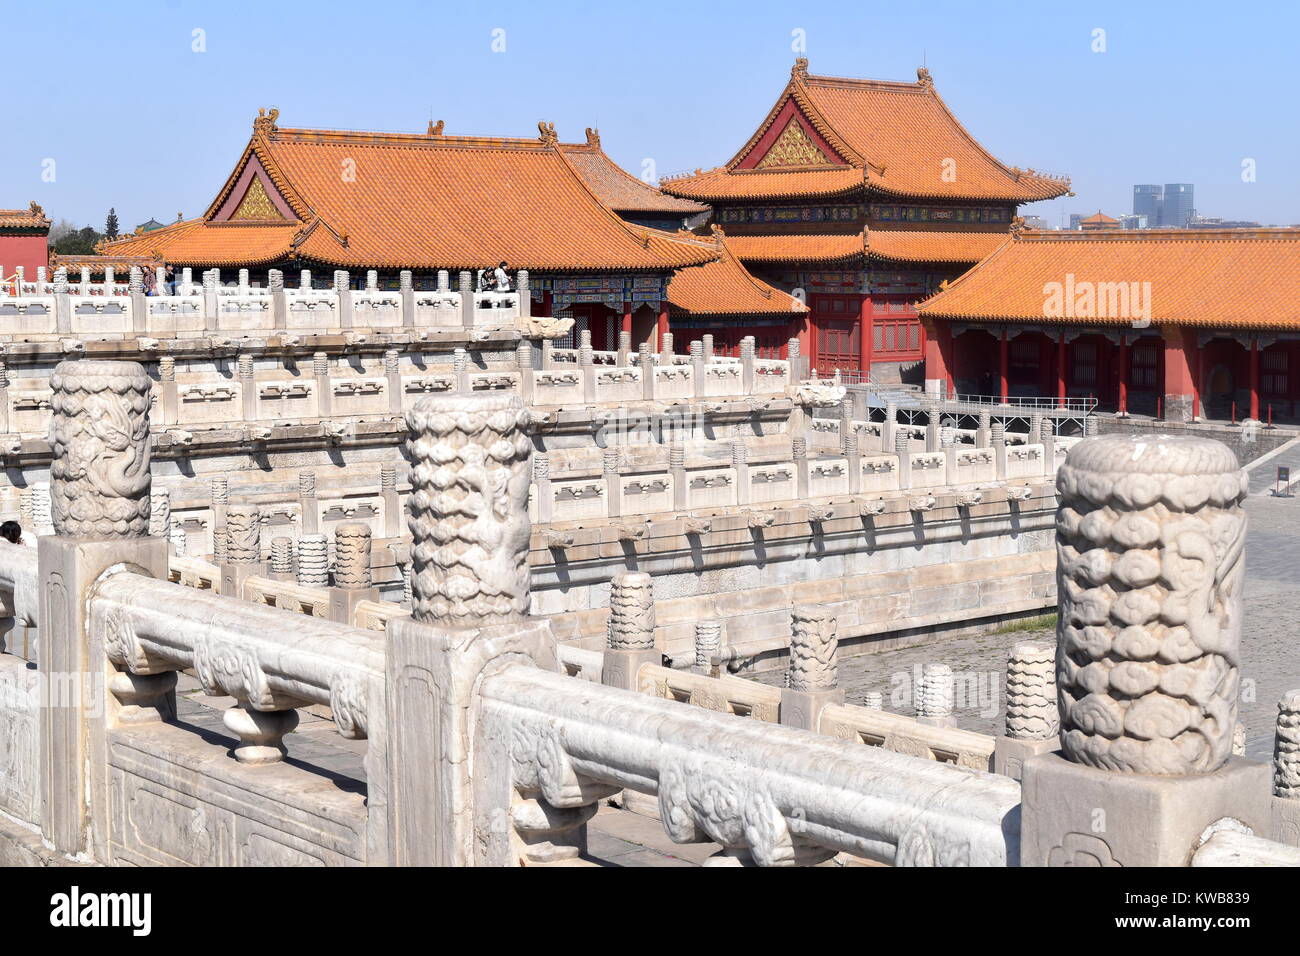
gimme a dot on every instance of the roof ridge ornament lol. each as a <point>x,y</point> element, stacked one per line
<point>435,129</point>
<point>265,122</point>
<point>593,137</point>
<point>547,131</point>
<point>718,235</point>
<point>924,79</point>
<point>800,69</point>
<point>1017,226</point>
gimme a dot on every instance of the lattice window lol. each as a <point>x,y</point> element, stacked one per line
<point>1023,351</point>
<point>1143,373</point>
<point>1275,379</point>
<point>1085,363</point>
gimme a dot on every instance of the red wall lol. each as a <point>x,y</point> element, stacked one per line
<point>26,251</point>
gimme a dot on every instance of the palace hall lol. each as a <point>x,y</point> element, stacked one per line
<point>1174,323</point>
<point>865,195</point>
<point>358,201</point>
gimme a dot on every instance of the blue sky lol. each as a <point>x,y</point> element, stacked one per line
<point>134,118</point>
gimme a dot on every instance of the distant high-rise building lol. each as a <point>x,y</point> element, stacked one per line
<point>1036,222</point>
<point>1176,207</point>
<point>1075,219</point>
<point>1146,202</point>
<point>1135,222</point>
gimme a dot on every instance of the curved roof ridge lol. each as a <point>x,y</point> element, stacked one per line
<point>593,148</point>
<point>794,89</point>
<point>623,224</point>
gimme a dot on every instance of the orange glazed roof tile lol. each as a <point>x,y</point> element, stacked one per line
<point>1100,217</point>
<point>619,189</point>
<point>722,184</point>
<point>796,248</point>
<point>897,135</point>
<point>897,245</point>
<point>1229,278</point>
<point>724,286</point>
<point>121,265</point>
<point>418,201</point>
<point>930,245</point>
<point>33,217</point>
<point>200,243</point>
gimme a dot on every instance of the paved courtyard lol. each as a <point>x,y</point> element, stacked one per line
<point>1270,653</point>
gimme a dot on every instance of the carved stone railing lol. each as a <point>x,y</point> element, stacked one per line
<point>19,582</point>
<point>81,307</point>
<point>482,750</point>
<point>727,695</point>
<point>906,735</point>
<point>263,658</point>
<point>768,794</point>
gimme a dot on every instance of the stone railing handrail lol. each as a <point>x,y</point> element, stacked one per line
<point>375,615</point>
<point>287,595</point>
<point>895,732</point>
<point>727,694</point>
<point>19,581</point>
<point>779,792</point>
<point>194,573</point>
<point>257,654</point>
<point>580,662</point>
<point>1231,848</point>
<point>210,305</point>
<point>903,734</point>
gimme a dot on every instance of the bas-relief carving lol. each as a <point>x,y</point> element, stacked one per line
<point>1082,849</point>
<point>819,394</point>
<point>1150,535</point>
<point>1286,747</point>
<point>698,803</point>
<point>814,644</point>
<point>631,612</point>
<point>469,509</point>
<point>229,669</point>
<point>99,476</point>
<point>352,555</point>
<point>1031,692</point>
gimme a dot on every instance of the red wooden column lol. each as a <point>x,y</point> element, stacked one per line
<point>1254,378</point>
<point>627,318</point>
<point>865,342</point>
<point>1194,363</point>
<point>938,376</point>
<point>661,326</point>
<point>1060,370</point>
<point>948,344</point>
<point>803,331</point>
<point>1123,374</point>
<point>1002,365</point>
<point>1177,383</point>
<point>547,300</point>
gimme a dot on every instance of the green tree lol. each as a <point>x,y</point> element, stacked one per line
<point>75,242</point>
<point>110,225</point>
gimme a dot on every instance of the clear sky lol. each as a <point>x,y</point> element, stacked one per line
<point>133,117</point>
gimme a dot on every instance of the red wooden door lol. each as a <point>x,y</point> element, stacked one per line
<point>836,332</point>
